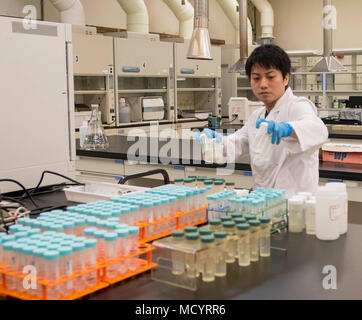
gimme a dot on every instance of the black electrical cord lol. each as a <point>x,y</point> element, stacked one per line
<point>54,173</point>
<point>26,191</point>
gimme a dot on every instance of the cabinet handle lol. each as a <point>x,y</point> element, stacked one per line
<point>187,71</point>
<point>131,69</point>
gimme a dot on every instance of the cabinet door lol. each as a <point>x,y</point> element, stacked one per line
<point>92,54</point>
<point>201,68</point>
<point>143,57</point>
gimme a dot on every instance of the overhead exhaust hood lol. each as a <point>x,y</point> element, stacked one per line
<point>200,45</point>
<point>328,63</point>
<point>239,66</point>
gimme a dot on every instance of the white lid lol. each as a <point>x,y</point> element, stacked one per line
<point>85,123</point>
<point>325,191</point>
<point>337,185</point>
<point>295,200</point>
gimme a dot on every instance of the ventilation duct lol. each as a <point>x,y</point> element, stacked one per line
<point>200,46</point>
<point>230,9</point>
<point>137,15</point>
<point>267,20</point>
<point>239,66</point>
<point>328,63</point>
<point>184,12</point>
<point>71,11</point>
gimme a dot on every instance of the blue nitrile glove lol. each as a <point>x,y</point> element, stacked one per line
<point>278,129</point>
<point>210,134</point>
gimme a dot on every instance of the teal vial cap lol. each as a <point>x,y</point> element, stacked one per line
<point>207,239</point>
<point>215,222</point>
<point>205,232</point>
<point>220,234</point>
<point>254,223</point>
<point>192,236</point>
<point>178,233</point>
<point>243,226</point>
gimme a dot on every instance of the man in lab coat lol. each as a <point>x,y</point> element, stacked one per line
<point>297,132</point>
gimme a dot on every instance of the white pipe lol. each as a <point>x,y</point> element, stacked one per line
<point>267,17</point>
<point>71,11</point>
<point>229,8</point>
<point>137,15</point>
<point>184,14</point>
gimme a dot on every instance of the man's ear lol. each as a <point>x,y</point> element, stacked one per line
<point>286,79</point>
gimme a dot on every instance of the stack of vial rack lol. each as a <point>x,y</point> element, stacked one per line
<point>194,255</point>
<point>68,262</point>
<point>166,208</point>
<point>261,202</point>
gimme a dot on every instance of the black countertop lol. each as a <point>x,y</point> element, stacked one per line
<point>188,153</point>
<point>294,270</point>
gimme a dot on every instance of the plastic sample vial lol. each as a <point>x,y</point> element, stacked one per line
<point>249,217</point>
<point>231,241</point>
<point>200,182</point>
<point>177,256</point>
<point>295,212</point>
<point>262,142</point>
<point>90,278</point>
<point>52,273</point>
<point>243,244</point>
<point>208,184</point>
<point>218,186</point>
<point>254,239</point>
<point>66,270</point>
<point>310,206</point>
<point>220,253</point>
<point>111,254</point>
<point>78,265</point>
<point>99,235</point>
<point>133,236</point>
<point>179,182</point>
<point>191,259</point>
<point>235,215</point>
<point>265,236</point>
<point>207,258</point>
<point>40,271</point>
<point>225,218</point>
<point>215,224</point>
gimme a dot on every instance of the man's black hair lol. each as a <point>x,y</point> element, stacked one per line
<point>269,56</point>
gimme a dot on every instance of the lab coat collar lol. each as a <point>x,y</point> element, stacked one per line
<point>285,97</point>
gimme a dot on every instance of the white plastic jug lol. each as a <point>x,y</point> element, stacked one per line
<point>327,213</point>
<point>343,204</point>
<point>262,142</point>
<point>124,111</point>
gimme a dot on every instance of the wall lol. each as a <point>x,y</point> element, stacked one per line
<point>298,24</point>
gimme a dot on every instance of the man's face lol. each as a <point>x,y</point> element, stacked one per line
<point>268,84</point>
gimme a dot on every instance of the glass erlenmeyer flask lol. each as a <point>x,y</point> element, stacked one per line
<point>95,138</point>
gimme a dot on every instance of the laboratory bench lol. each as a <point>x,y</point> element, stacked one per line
<point>294,270</point>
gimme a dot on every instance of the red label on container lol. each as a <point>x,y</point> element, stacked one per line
<point>334,212</point>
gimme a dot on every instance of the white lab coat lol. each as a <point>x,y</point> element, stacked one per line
<point>294,164</point>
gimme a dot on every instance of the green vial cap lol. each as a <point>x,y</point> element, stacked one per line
<point>220,234</point>
<point>249,217</point>
<point>229,224</point>
<point>179,180</point>
<point>207,239</point>
<point>264,220</point>
<point>230,183</point>
<point>254,223</point>
<point>205,232</point>
<point>236,215</point>
<point>218,183</point>
<point>243,226</point>
<point>190,229</point>
<point>192,236</point>
<point>208,182</point>
<point>239,220</point>
<point>215,222</point>
<point>225,218</point>
<point>178,233</point>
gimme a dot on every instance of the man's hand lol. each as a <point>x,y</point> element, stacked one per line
<point>277,129</point>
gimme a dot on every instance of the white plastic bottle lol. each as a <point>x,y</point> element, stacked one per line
<point>82,133</point>
<point>327,210</point>
<point>262,142</point>
<point>124,111</point>
<point>343,199</point>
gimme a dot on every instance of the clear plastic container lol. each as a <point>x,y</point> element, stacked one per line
<point>40,270</point>
<point>207,258</point>
<point>207,148</point>
<point>78,265</point>
<point>191,260</point>
<point>124,114</point>
<point>262,142</point>
<point>296,216</point>
<point>220,253</point>
<point>111,254</point>
<point>265,227</point>
<point>179,182</point>
<point>231,242</point>
<point>123,248</point>
<point>243,248</point>
<point>91,262</point>
<point>66,270</point>
<point>52,273</point>
<point>254,240</point>
<point>99,235</point>
<point>133,237</point>
<point>230,186</point>
<point>310,207</point>
<point>218,152</point>
<point>178,257</point>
